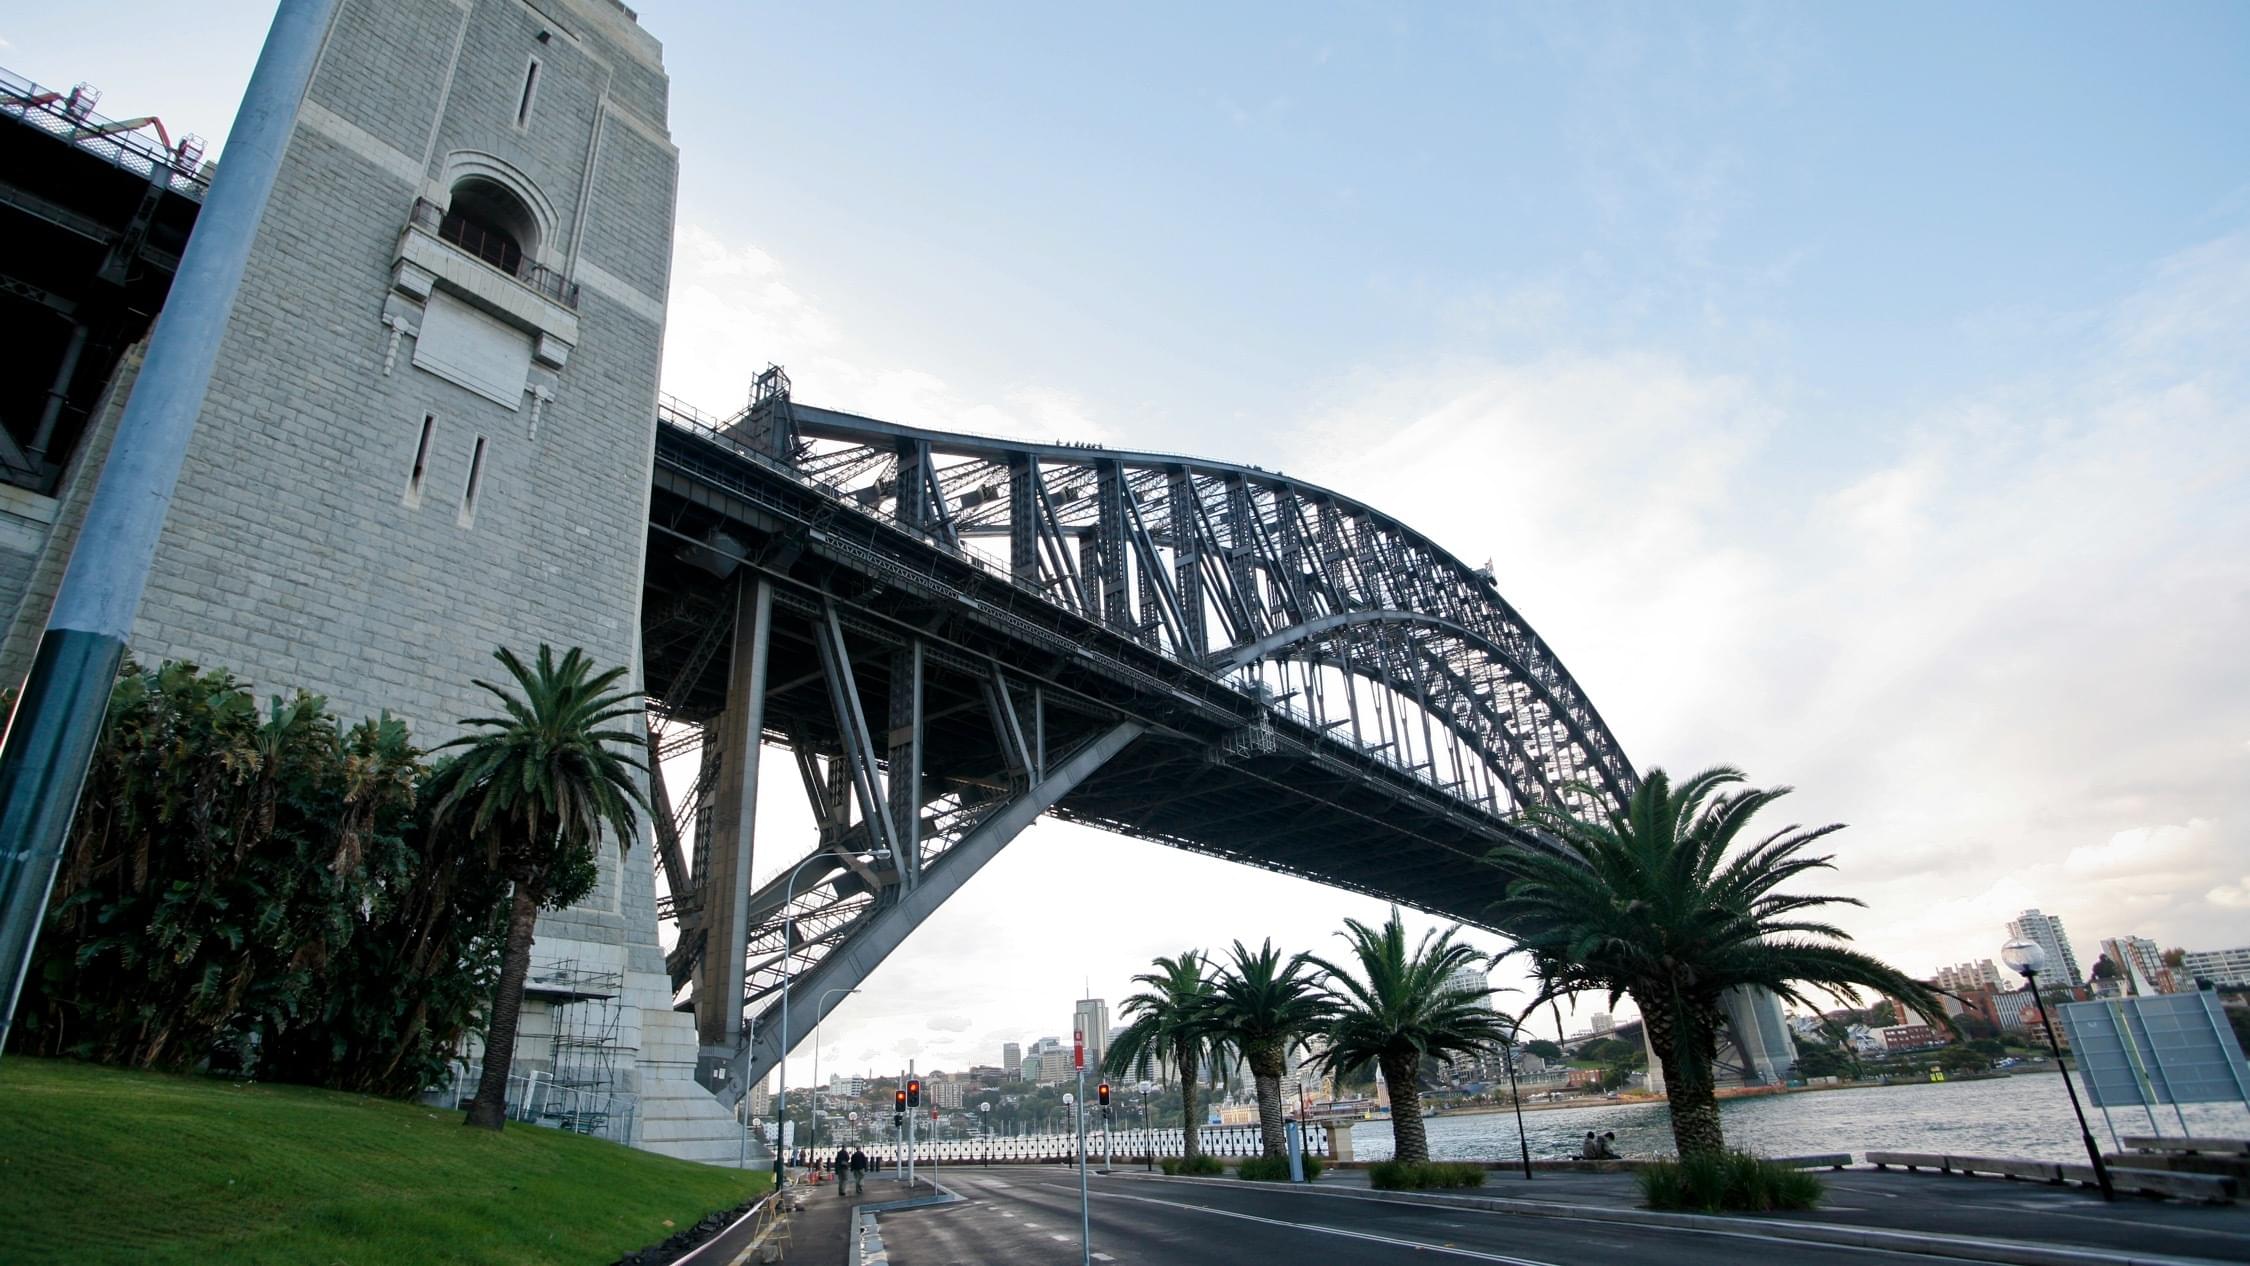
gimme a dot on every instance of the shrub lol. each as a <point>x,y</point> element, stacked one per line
<point>1424,1175</point>
<point>1731,1183</point>
<point>256,887</point>
<point>1205,1166</point>
<point>1264,1169</point>
<point>1276,1169</point>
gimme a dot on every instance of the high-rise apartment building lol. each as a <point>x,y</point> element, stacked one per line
<point>2220,967</point>
<point>1054,1066</point>
<point>1011,1060</point>
<point>2047,931</point>
<point>1962,977</point>
<point>1091,1018</point>
<point>2139,963</point>
<point>1468,978</point>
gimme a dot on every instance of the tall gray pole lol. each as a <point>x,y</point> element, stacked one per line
<point>58,719</point>
<point>1078,1126</point>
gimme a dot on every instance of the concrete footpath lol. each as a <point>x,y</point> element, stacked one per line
<point>819,1233</point>
<point>1983,1219</point>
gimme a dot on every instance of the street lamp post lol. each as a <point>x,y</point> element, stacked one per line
<point>984,1111</point>
<point>2027,957</point>
<point>1515,1092</point>
<point>1148,1136</point>
<point>819,1012</point>
<point>788,961</point>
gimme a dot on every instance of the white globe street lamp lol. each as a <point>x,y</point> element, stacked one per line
<point>2026,956</point>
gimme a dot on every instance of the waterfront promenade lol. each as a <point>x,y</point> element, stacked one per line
<point>1026,1215</point>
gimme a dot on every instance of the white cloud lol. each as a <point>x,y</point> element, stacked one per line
<point>951,1023</point>
<point>734,310</point>
<point>2234,896</point>
<point>2149,850</point>
<point>2001,639</point>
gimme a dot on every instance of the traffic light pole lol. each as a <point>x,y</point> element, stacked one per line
<point>1085,1217</point>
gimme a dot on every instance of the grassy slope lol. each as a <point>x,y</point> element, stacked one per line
<point>98,1165</point>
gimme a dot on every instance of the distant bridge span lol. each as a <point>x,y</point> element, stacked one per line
<point>951,634</point>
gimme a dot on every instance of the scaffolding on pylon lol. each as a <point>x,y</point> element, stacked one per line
<point>584,1046</point>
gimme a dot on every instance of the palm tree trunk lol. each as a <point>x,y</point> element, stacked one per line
<point>1191,1122</point>
<point>1410,1140</point>
<point>1695,1119</point>
<point>490,1109</point>
<point>1686,1047</point>
<point>1265,1068</point>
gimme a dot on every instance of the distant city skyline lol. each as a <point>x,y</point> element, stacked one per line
<point>1855,399</point>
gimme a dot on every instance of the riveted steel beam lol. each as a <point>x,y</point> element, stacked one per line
<point>888,924</point>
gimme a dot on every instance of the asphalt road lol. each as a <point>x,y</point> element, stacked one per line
<point>1029,1217</point>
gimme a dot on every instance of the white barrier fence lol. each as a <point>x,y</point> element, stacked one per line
<point>1224,1141</point>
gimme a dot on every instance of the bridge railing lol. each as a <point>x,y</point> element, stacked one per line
<point>61,115</point>
<point>674,412</point>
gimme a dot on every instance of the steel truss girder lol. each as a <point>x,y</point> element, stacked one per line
<point>1526,760</point>
<point>1258,553</point>
<point>885,926</point>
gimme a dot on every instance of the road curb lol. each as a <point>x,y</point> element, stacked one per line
<point>1958,1247</point>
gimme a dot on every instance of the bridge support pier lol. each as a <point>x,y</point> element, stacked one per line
<point>726,889</point>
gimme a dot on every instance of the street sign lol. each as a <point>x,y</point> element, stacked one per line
<point>1078,1048</point>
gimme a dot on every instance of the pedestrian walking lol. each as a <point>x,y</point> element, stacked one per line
<point>859,1171</point>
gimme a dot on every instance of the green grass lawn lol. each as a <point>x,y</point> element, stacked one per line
<point>98,1165</point>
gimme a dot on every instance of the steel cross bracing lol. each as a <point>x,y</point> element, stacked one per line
<point>965,633</point>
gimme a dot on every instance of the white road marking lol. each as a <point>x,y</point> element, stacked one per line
<point>1420,1245</point>
<point>1103,1257</point>
<point>1061,1238</point>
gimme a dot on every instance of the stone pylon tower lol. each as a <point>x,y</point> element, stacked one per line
<point>430,430</point>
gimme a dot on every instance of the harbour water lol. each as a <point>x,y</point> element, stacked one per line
<point>2024,1116</point>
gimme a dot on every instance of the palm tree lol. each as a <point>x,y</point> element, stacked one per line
<point>1169,1021</point>
<point>536,787</point>
<point>1401,1009</point>
<point>1647,903</point>
<point>1264,1008</point>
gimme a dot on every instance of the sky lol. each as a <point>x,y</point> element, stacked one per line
<point>1854,395</point>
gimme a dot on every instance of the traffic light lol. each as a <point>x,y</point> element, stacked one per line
<point>1103,1091</point>
<point>914,1093</point>
<point>898,1108</point>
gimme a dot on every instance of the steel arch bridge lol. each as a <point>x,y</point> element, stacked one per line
<point>950,634</point>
